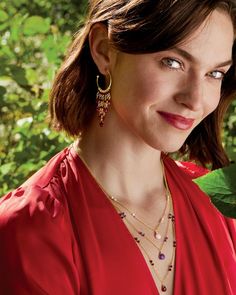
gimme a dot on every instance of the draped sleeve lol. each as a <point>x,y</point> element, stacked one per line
<point>36,248</point>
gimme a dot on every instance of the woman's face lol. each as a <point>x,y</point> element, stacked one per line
<point>161,97</point>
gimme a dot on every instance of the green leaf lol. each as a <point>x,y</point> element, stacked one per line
<point>16,27</point>
<point>7,54</point>
<point>36,25</point>
<point>32,76</point>
<point>3,16</point>
<point>50,47</point>
<point>2,91</point>
<point>19,75</point>
<point>18,3</point>
<point>6,168</point>
<point>220,185</point>
<point>3,26</point>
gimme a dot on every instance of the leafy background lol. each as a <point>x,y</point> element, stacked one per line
<point>220,185</point>
<point>34,36</point>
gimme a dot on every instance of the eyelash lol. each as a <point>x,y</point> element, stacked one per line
<point>165,62</point>
<point>169,59</point>
<point>221,78</point>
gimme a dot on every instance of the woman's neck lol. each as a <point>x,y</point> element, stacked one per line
<point>125,166</point>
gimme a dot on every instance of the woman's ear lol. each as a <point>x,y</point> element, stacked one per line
<point>100,48</point>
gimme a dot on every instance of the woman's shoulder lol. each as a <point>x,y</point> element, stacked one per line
<point>36,234</point>
<point>41,193</point>
<point>187,168</point>
<point>36,239</point>
<point>26,204</point>
<point>44,175</point>
<point>192,169</point>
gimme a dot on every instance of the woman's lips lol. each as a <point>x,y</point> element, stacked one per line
<point>177,121</point>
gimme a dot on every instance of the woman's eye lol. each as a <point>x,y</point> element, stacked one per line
<point>218,75</point>
<point>172,63</point>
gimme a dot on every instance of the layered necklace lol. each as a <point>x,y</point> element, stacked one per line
<point>159,234</point>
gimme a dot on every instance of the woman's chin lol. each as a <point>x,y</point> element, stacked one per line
<point>168,148</point>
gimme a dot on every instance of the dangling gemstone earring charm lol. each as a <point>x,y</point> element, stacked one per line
<point>103,100</point>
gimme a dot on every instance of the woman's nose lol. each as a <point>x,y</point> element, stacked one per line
<point>191,94</point>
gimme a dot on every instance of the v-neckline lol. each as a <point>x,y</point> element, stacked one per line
<point>121,223</point>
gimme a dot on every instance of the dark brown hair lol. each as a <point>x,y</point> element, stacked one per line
<point>136,27</point>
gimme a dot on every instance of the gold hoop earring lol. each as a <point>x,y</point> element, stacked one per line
<point>103,100</point>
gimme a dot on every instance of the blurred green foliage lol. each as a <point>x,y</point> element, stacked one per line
<point>230,131</point>
<point>34,36</point>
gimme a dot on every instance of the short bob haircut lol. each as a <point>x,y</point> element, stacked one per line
<point>139,27</point>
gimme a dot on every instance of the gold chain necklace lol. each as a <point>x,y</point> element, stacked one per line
<point>142,235</point>
<point>155,230</point>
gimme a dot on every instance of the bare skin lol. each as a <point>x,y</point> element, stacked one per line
<point>124,155</point>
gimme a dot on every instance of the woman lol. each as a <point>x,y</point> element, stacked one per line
<point>113,214</point>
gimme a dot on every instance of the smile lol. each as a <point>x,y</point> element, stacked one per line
<point>177,121</point>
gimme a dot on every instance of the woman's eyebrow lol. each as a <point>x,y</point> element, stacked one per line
<point>192,59</point>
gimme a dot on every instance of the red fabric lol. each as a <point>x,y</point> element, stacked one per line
<point>192,169</point>
<point>59,234</point>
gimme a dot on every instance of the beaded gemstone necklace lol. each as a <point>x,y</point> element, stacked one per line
<point>140,235</point>
<point>155,230</point>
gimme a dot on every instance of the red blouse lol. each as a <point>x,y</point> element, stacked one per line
<point>59,234</point>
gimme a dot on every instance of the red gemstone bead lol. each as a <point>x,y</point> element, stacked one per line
<point>137,240</point>
<point>151,262</point>
<point>163,288</point>
<point>161,256</point>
